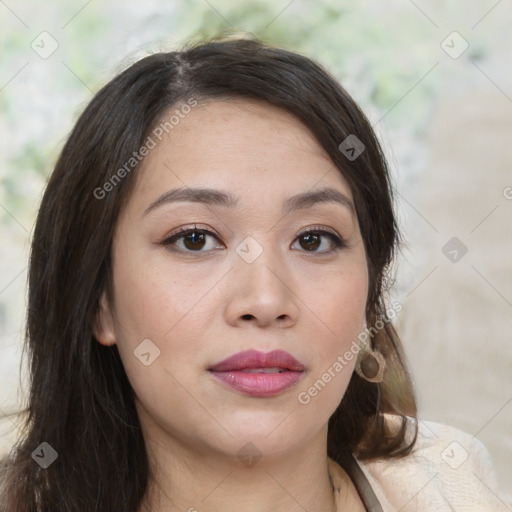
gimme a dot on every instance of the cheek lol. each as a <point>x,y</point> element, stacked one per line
<point>340,303</point>
<point>152,299</point>
<point>339,308</point>
<point>171,309</point>
<point>156,305</point>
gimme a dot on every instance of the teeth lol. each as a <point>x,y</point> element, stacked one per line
<point>264,370</point>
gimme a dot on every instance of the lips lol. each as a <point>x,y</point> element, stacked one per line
<point>259,374</point>
<point>253,360</point>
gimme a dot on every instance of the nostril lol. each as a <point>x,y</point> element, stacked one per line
<point>247,317</point>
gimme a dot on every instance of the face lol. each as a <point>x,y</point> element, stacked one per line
<point>227,245</point>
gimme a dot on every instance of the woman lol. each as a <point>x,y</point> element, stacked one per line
<point>206,320</point>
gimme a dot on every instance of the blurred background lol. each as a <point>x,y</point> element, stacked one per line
<point>433,77</point>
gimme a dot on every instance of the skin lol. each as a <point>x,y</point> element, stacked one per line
<point>199,307</point>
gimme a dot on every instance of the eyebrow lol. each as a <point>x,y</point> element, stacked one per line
<point>195,195</point>
<point>215,197</point>
<point>324,195</point>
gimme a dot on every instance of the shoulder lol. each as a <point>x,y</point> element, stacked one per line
<point>447,469</point>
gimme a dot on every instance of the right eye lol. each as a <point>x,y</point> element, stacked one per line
<point>191,240</point>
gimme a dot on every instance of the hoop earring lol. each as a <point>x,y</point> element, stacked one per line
<point>370,365</point>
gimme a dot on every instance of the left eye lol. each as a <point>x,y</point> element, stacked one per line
<point>319,240</point>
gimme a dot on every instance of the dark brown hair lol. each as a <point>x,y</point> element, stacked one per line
<point>80,400</point>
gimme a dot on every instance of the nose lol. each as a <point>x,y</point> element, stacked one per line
<point>261,294</point>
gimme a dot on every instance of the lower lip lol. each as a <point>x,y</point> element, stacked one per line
<point>258,384</point>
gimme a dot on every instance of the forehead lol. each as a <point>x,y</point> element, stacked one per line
<point>247,146</point>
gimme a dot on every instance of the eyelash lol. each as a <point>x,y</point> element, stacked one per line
<point>168,242</point>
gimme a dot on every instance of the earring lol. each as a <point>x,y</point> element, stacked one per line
<point>370,365</point>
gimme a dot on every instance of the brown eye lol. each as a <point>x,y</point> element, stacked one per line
<point>310,242</point>
<point>319,241</point>
<point>194,241</point>
<point>190,240</point>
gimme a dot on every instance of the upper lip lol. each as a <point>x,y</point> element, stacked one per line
<point>256,359</point>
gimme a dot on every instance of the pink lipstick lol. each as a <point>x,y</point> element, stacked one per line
<point>259,374</point>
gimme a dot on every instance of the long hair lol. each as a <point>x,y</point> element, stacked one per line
<point>80,400</point>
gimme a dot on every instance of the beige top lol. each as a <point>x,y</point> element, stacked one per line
<point>447,471</point>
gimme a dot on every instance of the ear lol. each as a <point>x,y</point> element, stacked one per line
<point>103,324</point>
